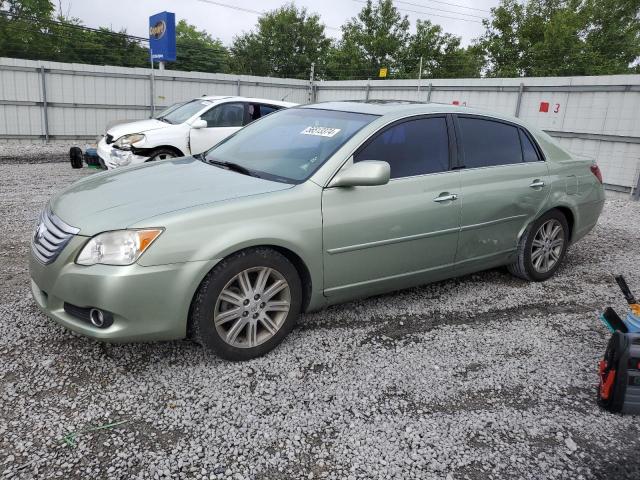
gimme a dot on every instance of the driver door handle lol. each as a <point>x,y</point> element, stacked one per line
<point>537,184</point>
<point>446,198</point>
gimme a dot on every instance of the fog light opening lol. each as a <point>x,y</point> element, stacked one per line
<point>96,317</point>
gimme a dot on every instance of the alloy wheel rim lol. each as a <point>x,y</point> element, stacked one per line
<point>252,307</point>
<point>547,246</point>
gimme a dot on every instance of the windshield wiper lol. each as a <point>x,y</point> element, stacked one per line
<point>234,167</point>
<point>162,119</point>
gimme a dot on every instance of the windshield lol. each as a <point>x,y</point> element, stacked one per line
<point>168,110</point>
<point>186,111</point>
<point>289,145</point>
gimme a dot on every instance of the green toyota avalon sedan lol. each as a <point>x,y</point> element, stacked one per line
<point>305,208</point>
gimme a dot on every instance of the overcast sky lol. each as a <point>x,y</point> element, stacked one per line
<point>224,23</point>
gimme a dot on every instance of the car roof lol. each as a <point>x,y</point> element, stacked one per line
<point>402,107</point>
<point>217,98</point>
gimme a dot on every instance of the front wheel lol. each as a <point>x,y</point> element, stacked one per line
<point>161,154</point>
<point>247,304</point>
<point>542,247</point>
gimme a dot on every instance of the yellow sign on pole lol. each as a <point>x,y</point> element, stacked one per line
<point>383,72</point>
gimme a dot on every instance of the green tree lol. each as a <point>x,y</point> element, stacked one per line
<point>442,55</point>
<point>612,35</point>
<point>197,51</point>
<point>286,42</point>
<point>24,34</point>
<point>562,37</point>
<point>28,29</point>
<point>376,38</point>
<point>102,47</point>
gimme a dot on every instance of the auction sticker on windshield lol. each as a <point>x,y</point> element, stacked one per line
<point>320,131</point>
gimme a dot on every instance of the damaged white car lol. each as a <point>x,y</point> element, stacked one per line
<point>192,127</point>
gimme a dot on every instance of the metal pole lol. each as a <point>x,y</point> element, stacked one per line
<point>152,86</point>
<point>429,92</point>
<point>519,101</point>
<point>419,74</point>
<point>636,191</point>
<point>238,87</point>
<point>310,96</point>
<point>44,105</point>
<point>366,96</point>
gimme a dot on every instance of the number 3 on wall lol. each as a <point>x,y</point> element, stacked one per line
<point>556,108</point>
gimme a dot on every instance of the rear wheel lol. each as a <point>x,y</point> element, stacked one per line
<point>247,304</point>
<point>542,247</point>
<point>162,154</point>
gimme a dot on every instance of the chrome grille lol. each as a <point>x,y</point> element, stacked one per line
<point>50,237</point>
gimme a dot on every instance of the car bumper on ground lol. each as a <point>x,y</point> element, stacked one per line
<point>147,303</point>
<point>114,157</point>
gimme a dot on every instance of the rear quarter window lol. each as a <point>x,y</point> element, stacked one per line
<point>487,143</point>
<point>529,152</point>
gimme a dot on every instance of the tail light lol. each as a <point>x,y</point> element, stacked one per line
<point>596,171</point>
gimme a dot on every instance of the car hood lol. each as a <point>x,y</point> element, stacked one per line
<point>140,126</point>
<point>120,198</point>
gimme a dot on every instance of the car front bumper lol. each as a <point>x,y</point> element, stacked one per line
<point>114,157</point>
<point>147,303</point>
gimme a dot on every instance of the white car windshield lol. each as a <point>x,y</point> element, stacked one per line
<point>185,111</point>
<point>289,145</point>
<point>168,110</point>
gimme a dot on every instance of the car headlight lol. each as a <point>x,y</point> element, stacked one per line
<point>120,247</point>
<point>125,141</point>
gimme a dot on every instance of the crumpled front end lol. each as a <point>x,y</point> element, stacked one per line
<point>114,157</point>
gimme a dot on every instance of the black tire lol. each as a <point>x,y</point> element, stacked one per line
<point>201,325</point>
<point>523,267</point>
<point>162,154</point>
<point>75,157</point>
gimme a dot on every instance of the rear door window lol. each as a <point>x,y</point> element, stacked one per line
<point>487,143</point>
<point>414,147</point>
<point>267,109</point>
<point>259,110</point>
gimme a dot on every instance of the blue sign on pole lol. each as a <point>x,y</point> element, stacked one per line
<point>162,36</point>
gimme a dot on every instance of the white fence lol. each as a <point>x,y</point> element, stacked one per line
<point>594,116</point>
<point>60,101</point>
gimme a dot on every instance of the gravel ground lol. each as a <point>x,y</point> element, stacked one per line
<point>38,152</point>
<point>479,377</point>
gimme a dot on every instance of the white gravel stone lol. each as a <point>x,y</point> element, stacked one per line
<point>571,445</point>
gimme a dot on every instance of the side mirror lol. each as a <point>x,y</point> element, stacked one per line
<point>367,173</point>
<point>199,123</point>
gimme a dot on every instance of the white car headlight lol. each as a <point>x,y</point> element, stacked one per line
<point>125,141</point>
<point>120,247</point>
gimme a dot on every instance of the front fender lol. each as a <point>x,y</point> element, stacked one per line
<point>174,136</point>
<point>290,219</point>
